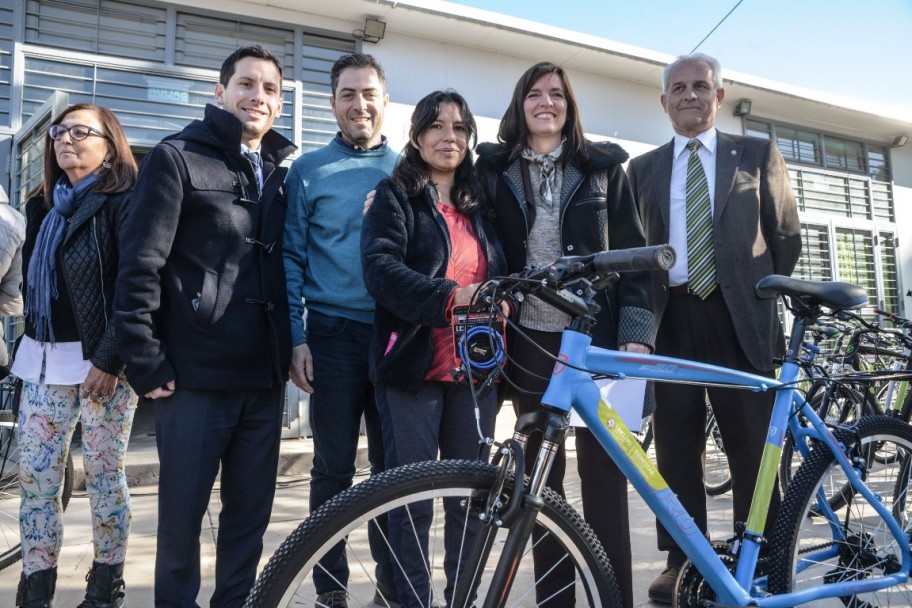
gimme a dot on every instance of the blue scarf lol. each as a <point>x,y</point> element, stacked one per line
<point>42,270</point>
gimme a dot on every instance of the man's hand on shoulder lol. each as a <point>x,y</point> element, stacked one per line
<point>369,200</point>
<point>301,371</point>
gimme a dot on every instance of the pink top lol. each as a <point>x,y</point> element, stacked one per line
<point>467,265</point>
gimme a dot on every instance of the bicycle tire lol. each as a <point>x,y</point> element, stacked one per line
<point>841,409</point>
<point>905,412</point>
<point>288,574</point>
<point>716,474</point>
<point>10,547</point>
<point>862,548</point>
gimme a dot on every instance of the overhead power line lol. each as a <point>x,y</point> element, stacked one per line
<point>717,25</point>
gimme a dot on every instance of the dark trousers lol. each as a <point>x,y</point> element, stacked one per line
<point>439,418</point>
<point>702,330</point>
<point>342,394</point>
<point>603,486</point>
<point>197,432</point>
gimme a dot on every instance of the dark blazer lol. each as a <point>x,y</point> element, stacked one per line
<point>756,232</point>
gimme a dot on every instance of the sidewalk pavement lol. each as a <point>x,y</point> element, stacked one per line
<point>289,510</point>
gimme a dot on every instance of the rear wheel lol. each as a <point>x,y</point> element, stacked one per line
<point>716,474</point>
<point>843,406</point>
<point>813,544</point>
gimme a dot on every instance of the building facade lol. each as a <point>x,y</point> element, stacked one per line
<point>155,63</point>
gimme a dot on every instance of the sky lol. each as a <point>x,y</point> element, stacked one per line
<point>857,49</point>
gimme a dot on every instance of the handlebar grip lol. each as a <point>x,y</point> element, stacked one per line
<point>656,257</point>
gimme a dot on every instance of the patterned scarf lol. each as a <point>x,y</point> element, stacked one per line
<point>546,169</point>
<point>42,270</point>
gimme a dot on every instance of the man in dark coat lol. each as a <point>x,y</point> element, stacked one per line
<point>202,323</point>
<point>706,305</point>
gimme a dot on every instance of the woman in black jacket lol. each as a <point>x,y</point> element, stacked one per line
<point>67,359</point>
<point>425,246</point>
<point>554,194</point>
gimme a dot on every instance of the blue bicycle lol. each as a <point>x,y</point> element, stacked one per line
<point>853,552</point>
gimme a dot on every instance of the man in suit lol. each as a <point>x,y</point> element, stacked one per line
<point>724,202</point>
<point>201,320</point>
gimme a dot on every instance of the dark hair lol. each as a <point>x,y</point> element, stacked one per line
<point>513,128</point>
<point>119,177</point>
<point>412,171</point>
<point>355,60</point>
<point>255,51</point>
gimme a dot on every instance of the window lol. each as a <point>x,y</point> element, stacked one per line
<point>755,128</point>
<point>878,163</point>
<point>204,42</point>
<point>152,103</point>
<point>105,27</point>
<point>797,145</point>
<point>892,296</point>
<point>855,259</point>
<point>6,60</point>
<point>814,263</point>
<point>830,193</point>
<point>845,201</point>
<point>845,155</point>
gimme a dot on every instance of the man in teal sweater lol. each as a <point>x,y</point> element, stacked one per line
<point>326,191</point>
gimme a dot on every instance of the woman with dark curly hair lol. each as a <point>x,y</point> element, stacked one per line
<point>426,244</point>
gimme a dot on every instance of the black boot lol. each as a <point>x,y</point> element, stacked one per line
<point>37,589</point>
<point>105,588</point>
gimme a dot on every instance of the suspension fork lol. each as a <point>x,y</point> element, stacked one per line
<point>519,512</point>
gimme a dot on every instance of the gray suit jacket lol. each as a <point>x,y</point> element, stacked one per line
<point>756,232</point>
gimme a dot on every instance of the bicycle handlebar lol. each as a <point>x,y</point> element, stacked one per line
<point>894,318</point>
<point>586,275</point>
<point>656,257</point>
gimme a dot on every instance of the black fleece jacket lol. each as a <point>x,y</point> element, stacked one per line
<point>405,249</point>
<point>598,212</point>
<point>201,295</point>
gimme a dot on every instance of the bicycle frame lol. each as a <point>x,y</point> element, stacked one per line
<point>572,387</point>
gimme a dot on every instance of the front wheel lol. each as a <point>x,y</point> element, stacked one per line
<point>455,491</point>
<point>818,540</point>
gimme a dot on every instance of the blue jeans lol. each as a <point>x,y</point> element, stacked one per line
<point>342,394</point>
<point>440,418</point>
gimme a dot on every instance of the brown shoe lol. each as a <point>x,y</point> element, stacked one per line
<point>663,587</point>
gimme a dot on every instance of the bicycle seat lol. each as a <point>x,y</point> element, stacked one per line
<point>836,295</point>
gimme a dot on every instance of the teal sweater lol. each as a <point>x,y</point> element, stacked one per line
<point>326,191</point>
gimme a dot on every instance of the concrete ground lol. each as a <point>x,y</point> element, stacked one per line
<point>289,510</point>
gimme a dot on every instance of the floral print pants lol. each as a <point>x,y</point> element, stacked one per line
<point>47,419</point>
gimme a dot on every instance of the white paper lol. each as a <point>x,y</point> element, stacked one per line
<point>625,396</point>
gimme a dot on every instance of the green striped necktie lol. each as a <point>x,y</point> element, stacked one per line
<point>701,263</point>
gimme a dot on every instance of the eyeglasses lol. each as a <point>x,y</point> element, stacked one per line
<point>77,132</point>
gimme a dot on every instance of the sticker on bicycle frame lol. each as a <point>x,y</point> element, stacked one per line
<point>560,365</point>
<point>630,446</point>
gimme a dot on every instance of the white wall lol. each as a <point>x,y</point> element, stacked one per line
<point>610,109</point>
<point>902,196</point>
